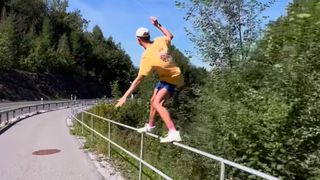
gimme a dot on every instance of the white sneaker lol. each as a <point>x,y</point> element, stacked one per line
<point>172,136</point>
<point>146,128</point>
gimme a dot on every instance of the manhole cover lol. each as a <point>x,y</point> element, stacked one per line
<point>46,152</point>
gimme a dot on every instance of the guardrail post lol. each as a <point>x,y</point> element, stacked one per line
<point>82,122</point>
<point>0,118</point>
<point>222,169</point>
<point>92,128</point>
<point>109,137</point>
<point>29,109</point>
<point>141,157</point>
<point>7,117</point>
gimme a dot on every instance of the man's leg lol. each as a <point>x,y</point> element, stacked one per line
<point>148,127</point>
<point>157,104</point>
<point>153,111</point>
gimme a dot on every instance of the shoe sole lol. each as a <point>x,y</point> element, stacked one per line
<point>179,140</point>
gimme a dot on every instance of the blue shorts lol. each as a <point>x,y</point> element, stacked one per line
<point>169,87</point>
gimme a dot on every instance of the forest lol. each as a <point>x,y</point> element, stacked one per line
<point>42,37</point>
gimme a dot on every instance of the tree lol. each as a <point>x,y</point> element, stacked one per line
<point>97,35</point>
<point>27,43</point>
<point>100,62</point>
<point>57,5</point>
<point>106,55</point>
<point>81,51</point>
<point>265,112</point>
<point>224,31</point>
<point>28,13</point>
<point>64,59</point>
<point>42,55</point>
<point>7,48</point>
<point>3,11</point>
<point>115,91</point>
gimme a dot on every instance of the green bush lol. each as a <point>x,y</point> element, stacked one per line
<point>263,113</point>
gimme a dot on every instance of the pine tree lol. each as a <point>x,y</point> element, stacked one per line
<point>64,58</point>
<point>7,49</point>
<point>28,43</point>
<point>97,35</point>
<point>43,56</point>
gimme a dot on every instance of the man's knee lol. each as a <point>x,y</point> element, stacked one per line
<point>156,104</point>
<point>162,102</point>
<point>152,101</point>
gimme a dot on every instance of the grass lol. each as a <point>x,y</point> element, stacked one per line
<point>172,160</point>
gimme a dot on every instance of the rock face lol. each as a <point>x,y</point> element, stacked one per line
<point>19,85</point>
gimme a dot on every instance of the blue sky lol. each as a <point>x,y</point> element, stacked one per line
<point>121,18</point>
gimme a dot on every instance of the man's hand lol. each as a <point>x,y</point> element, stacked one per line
<point>167,33</point>
<point>121,101</point>
<point>154,21</point>
<point>131,89</point>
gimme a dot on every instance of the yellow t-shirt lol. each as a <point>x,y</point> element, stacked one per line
<point>156,58</point>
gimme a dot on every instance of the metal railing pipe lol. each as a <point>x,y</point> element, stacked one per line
<point>197,151</point>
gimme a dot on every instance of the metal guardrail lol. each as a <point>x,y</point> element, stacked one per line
<point>223,162</point>
<point>10,116</point>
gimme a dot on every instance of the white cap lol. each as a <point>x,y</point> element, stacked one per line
<point>142,32</point>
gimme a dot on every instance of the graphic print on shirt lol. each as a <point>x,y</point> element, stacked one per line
<point>165,56</point>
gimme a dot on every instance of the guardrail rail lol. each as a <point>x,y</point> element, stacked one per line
<point>223,162</point>
<point>11,116</point>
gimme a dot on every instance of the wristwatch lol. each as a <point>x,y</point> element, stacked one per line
<point>159,25</point>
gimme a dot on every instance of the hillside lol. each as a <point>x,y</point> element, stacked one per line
<point>21,85</point>
<point>42,37</point>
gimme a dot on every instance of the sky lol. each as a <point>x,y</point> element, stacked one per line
<point>121,18</point>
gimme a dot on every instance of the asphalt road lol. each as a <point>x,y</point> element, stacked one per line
<point>44,131</point>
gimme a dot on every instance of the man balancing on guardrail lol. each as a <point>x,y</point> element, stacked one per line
<point>156,58</point>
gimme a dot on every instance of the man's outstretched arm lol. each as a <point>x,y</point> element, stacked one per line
<point>165,31</point>
<point>131,89</point>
